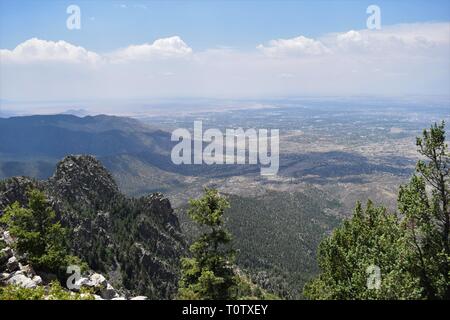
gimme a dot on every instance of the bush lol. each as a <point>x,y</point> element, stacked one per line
<point>54,292</point>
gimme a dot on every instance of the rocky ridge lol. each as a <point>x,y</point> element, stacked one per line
<point>13,272</point>
<point>135,242</point>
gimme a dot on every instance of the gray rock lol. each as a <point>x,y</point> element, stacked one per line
<point>4,276</point>
<point>139,298</point>
<point>5,254</point>
<point>28,271</point>
<point>109,293</point>
<point>82,282</point>
<point>37,280</point>
<point>7,238</point>
<point>21,280</point>
<point>12,264</point>
<point>98,281</point>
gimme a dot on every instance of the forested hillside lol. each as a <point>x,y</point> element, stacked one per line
<point>136,242</point>
<point>276,235</point>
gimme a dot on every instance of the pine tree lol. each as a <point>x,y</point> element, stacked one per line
<point>39,235</point>
<point>411,250</point>
<point>424,202</point>
<point>208,273</point>
<point>371,239</point>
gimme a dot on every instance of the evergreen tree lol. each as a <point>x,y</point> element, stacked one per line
<point>424,202</point>
<point>208,273</point>
<point>371,240</point>
<point>39,235</point>
<point>411,251</point>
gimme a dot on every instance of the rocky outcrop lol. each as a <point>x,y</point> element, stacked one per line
<point>13,272</point>
<point>135,243</point>
<point>82,179</point>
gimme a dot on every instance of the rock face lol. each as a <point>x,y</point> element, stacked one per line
<point>82,179</point>
<point>135,243</point>
<point>12,272</point>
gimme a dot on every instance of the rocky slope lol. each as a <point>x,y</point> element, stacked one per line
<point>13,272</point>
<point>135,242</point>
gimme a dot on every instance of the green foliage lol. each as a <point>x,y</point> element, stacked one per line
<point>208,274</point>
<point>40,236</point>
<point>372,237</point>
<point>412,251</point>
<point>246,290</point>
<point>276,234</point>
<point>424,202</point>
<point>128,235</point>
<point>14,292</point>
<point>54,292</point>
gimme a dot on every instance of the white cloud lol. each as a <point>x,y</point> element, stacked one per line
<point>161,48</point>
<point>351,39</point>
<point>408,39</point>
<point>401,59</point>
<point>403,38</point>
<point>298,46</point>
<point>37,50</point>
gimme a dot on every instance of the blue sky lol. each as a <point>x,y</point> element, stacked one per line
<point>107,25</point>
<point>222,49</point>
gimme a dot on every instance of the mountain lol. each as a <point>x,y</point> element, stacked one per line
<point>138,157</point>
<point>58,135</point>
<point>33,145</point>
<point>136,242</point>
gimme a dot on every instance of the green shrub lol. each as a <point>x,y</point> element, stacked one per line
<point>54,292</point>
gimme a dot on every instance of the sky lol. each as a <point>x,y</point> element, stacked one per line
<point>222,49</point>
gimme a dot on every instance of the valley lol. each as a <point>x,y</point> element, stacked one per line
<point>332,153</point>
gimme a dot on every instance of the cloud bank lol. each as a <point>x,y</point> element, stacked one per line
<point>396,60</point>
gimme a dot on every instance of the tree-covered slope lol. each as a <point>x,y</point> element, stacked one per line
<point>276,235</point>
<point>135,241</point>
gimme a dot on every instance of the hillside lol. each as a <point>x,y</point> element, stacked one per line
<point>136,242</point>
<point>276,235</point>
<point>294,210</point>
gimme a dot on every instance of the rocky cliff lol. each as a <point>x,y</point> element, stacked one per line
<point>135,242</point>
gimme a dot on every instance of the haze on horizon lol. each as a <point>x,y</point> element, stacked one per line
<point>149,51</point>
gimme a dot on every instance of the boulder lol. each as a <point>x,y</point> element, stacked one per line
<point>109,293</point>
<point>5,254</point>
<point>28,271</point>
<point>12,264</point>
<point>21,280</point>
<point>139,298</point>
<point>98,281</point>
<point>37,280</point>
<point>82,282</point>
<point>4,276</point>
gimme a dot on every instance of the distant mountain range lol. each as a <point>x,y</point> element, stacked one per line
<point>33,145</point>
<point>138,157</point>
